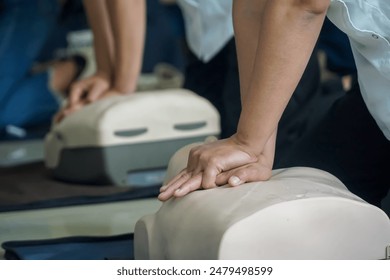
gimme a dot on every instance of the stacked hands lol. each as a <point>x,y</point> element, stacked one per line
<point>86,91</point>
<point>118,29</point>
<point>228,161</point>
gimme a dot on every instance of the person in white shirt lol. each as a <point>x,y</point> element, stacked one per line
<point>275,39</point>
<point>211,70</point>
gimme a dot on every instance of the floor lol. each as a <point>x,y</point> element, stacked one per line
<point>92,220</point>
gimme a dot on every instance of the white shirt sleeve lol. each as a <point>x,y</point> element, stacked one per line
<point>208,25</point>
<point>367,24</point>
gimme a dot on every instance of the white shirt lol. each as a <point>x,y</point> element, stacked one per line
<point>208,25</point>
<point>367,23</point>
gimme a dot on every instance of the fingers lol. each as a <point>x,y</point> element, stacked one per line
<point>222,155</point>
<point>212,161</point>
<point>193,158</point>
<point>180,185</point>
<point>185,182</point>
<point>204,166</point>
<point>76,93</point>
<point>82,93</point>
<point>193,184</point>
<point>249,173</point>
<point>252,173</point>
<point>89,89</point>
<point>178,179</point>
<point>58,117</point>
<point>95,92</point>
<point>63,113</point>
<point>199,162</point>
<point>209,177</point>
<point>235,181</point>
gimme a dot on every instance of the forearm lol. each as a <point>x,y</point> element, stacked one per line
<point>247,19</point>
<point>103,39</point>
<point>128,21</point>
<point>287,35</point>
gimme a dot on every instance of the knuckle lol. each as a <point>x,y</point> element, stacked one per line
<point>212,161</point>
<point>194,152</point>
<point>185,175</point>
<point>209,185</point>
<point>209,179</point>
<point>203,158</point>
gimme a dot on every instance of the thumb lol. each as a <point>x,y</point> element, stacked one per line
<point>249,173</point>
<point>235,181</point>
<point>96,91</point>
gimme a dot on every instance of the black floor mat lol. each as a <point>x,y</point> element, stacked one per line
<point>117,247</point>
<point>29,186</point>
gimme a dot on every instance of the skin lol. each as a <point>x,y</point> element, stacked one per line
<point>275,39</point>
<point>118,27</point>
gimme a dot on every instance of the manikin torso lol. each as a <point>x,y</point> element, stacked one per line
<point>300,213</point>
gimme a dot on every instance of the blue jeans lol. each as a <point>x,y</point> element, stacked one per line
<point>25,25</point>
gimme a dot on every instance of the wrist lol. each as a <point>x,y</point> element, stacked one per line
<point>251,147</point>
<point>104,75</point>
<point>254,144</point>
<point>123,91</point>
<point>124,87</point>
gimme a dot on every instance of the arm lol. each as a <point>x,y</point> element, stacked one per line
<point>103,43</point>
<point>119,30</point>
<point>100,82</point>
<point>288,33</point>
<point>272,58</point>
<point>128,21</point>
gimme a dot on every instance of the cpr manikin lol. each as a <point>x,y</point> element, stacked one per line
<point>300,213</point>
<point>116,139</point>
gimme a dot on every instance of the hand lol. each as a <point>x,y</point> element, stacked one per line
<point>222,162</point>
<point>67,110</point>
<point>70,109</point>
<point>88,90</point>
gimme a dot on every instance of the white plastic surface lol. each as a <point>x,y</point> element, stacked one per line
<point>156,115</point>
<point>300,213</point>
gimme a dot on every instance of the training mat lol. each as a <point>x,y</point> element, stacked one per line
<point>29,186</point>
<point>116,247</point>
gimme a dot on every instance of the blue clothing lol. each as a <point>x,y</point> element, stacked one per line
<point>162,41</point>
<point>24,28</point>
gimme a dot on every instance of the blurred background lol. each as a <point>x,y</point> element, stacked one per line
<point>38,37</point>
